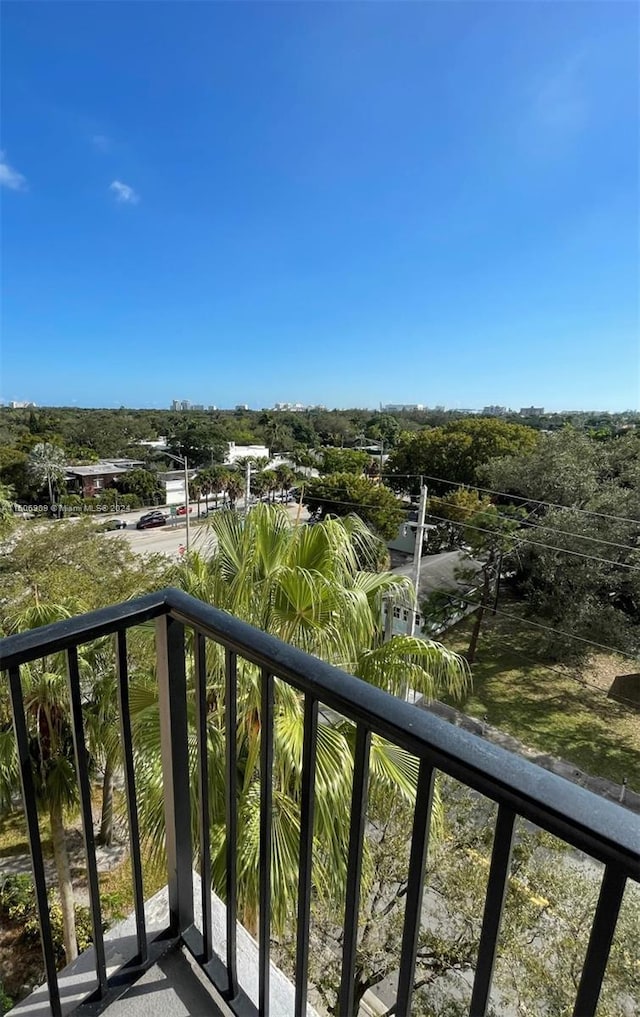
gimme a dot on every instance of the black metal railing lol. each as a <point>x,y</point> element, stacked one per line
<point>605,831</point>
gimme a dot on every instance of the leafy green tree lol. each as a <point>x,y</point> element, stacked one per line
<point>578,570</point>
<point>343,460</point>
<point>566,467</point>
<point>383,427</point>
<point>49,574</point>
<point>549,904</point>
<point>448,513</point>
<point>199,441</point>
<point>47,466</point>
<point>455,451</point>
<point>343,494</point>
<point>143,483</point>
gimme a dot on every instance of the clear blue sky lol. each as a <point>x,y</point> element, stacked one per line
<point>340,203</point>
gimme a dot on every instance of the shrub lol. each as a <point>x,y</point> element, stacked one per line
<point>18,905</point>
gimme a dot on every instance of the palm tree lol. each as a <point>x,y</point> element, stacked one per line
<point>286,477</point>
<point>195,491</point>
<point>234,487</point>
<point>219,478</point>
<point>51,744</point>
<point>46,466</point>
<point>272,484</point>
<point>308,586</point>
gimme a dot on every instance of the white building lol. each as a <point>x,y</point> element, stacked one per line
<point>236,452</point>
<point>172,483</point>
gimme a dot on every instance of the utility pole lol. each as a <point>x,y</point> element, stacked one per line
<point>417,554</point>
<point>183,462</point>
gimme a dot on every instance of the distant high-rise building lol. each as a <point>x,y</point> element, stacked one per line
<point>495,411</point>
<point>18,405</point>
<point>532,411</point>
<point>402,408</point>
<point>242,406</point>
<point>176,405</point>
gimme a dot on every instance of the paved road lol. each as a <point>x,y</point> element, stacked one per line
<point>168,539</point>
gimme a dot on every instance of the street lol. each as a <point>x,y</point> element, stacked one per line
<point>168,539</point>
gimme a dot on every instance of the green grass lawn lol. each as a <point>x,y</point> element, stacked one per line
<point>542,704</point>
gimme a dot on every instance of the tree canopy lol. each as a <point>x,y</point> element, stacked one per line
<point>454,452</point>
<point>343,494</point>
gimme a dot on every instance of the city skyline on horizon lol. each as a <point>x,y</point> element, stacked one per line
<point>288,407</point>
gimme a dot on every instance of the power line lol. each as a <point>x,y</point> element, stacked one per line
<point>526,522</point>
<point>556,670</point>
<point>514,497</point>
<point>550,547</point>
<point>546,628</point>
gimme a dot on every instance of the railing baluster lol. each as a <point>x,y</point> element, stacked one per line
<point>602,932</point>
<point>172,689</point>
<point>35,845</point>
<point>415,886</point>
<point>266,817</point>
<point>124,717</point>
<point>231,815</point>
<point>493,907</point>
<point>306,850</point>
<point>354,869</point>
<point>200,651</point>
<point>82,770</point>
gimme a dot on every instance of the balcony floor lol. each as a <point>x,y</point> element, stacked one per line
<point>172,988</point>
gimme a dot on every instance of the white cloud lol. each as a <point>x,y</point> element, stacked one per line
<point>124,194</point>
<point>10,177</point>
<point>101,142</point>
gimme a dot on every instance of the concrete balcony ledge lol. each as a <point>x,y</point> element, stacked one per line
<point>173,987</point>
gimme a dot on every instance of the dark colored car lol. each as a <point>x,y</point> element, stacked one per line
<point>151,519</point>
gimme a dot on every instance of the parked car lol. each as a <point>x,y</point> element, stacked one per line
<point>181,510</point>
<point>151,519</point>
<point>115,524</point>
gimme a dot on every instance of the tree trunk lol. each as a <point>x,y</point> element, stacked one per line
<point>50,490</point>
<point>106,820</point>
<point>475,635</point>
<point>63,869</point>
<point>497,589</point>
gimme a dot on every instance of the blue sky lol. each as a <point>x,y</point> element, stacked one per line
<point>336,203</point>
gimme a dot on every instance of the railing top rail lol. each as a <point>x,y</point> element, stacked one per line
<point>602,828</point>
<point>82,628</point>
